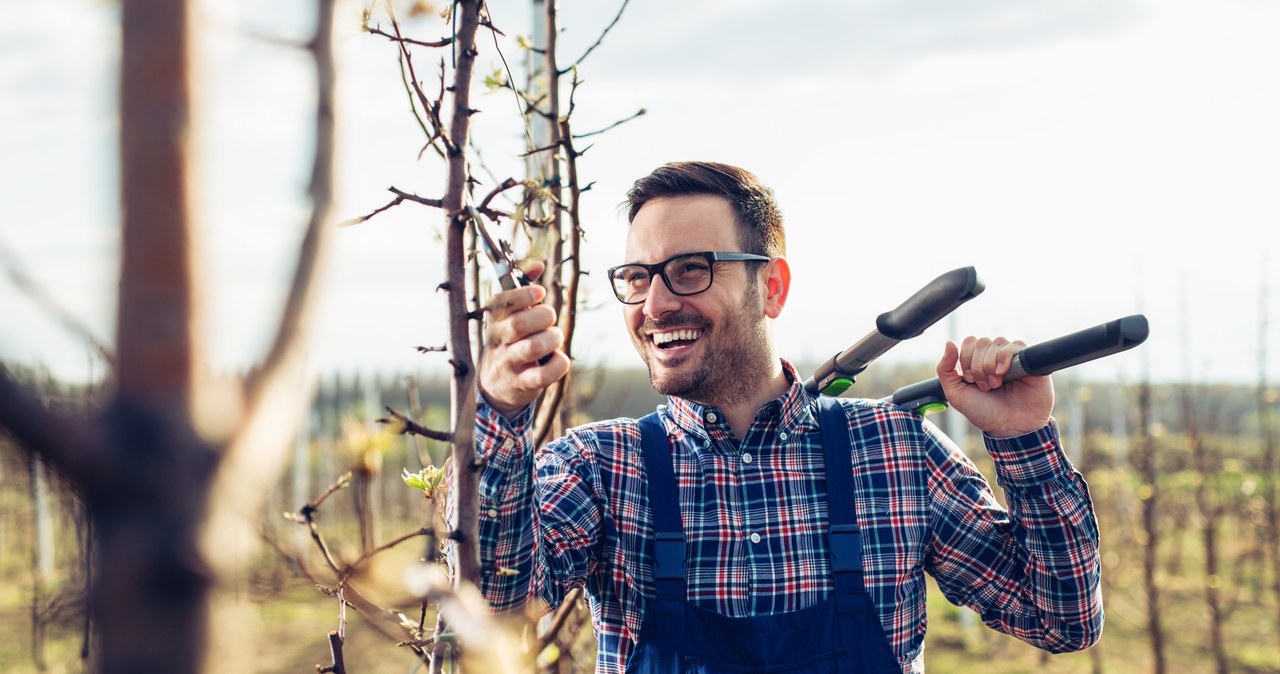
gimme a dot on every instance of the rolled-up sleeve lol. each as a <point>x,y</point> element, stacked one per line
<point>1032,571</point>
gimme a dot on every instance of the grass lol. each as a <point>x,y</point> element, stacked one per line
<point>290,620</point>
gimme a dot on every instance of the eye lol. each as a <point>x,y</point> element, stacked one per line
<point>685,268</point>
<point>631,276</point>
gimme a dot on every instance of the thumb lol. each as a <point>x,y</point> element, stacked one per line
<point>947,365</point>
<point>952,383</point>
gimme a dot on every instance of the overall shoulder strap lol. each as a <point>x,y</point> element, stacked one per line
<point>845,539</point>
<point>664,501</point>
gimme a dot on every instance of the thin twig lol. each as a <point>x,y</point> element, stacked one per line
<point>638,113</point>
<point>408,196</point>
<point>342,482</point>
<point>506,185</point>
<point>350,596</point>
<point>17,272</point>
<point>439,646</point>
<point>339,665</point>
<point>524,117</point>
<point>412,427</point>
<point>318,538</point>
<point>353,566</point>
<point>442,42</point>
<point>536,150</point>
<point>567,606</point>
<point>401,197</point>
<point>432,110</point>
<point>603,33</point>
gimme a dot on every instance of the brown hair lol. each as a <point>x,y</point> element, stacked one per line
<point>758,218</point>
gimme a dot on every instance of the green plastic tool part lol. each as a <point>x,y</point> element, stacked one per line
<point>930,408</point>
<point>837,386</point>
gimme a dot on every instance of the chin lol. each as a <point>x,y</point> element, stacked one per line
<point>663,379</point>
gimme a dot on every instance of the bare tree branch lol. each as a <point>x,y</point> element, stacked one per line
<point>414,428</point>
<point>256,452</point>
<point>603,33</point>
<point>351,568</point>
<point>503,187</point>
<point>429,108</point>
<point>20,278</point>
<point>523,104</point>
<point>401,197</point>
<point>572,261</point>
<point>64,442</point>
<point>639,113</point>
<point>442,42</point>
<point>567,605</point>
<point>339,665</point>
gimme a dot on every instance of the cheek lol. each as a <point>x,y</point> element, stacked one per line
<point>632,316</point>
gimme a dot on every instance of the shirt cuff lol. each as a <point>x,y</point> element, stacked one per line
<point>1030,459</point>
<point>500,438</point>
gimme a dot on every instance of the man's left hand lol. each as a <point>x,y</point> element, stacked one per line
<point>972,376</point>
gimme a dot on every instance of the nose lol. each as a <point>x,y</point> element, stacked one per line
<point>660,301</point>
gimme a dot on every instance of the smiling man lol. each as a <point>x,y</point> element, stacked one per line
<point>746,526</point>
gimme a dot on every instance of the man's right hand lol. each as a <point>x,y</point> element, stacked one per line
<point>519,331</point>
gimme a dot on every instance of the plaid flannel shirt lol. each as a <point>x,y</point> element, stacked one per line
<point>755,519</point>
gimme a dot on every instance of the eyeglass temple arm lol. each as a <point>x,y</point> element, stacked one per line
<point>927,306</point>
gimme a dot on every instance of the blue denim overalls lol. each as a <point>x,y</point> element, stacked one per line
<point>841,635</point>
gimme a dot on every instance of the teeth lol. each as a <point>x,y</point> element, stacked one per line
<point>661,338</point>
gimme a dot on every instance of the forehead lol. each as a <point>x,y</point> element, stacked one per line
<point>673,225</point>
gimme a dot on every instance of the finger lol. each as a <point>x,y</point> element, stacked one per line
<point>1004,359</point>
<point>535,346</point>
<point>533,269</point>
<point>991,362</point>
<point>538,377</point>
<point>975,366</point>
<point>965,357</point>
<point>520,325</point>
<point>512,301</point>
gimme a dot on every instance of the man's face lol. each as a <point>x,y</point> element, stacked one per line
<point>711,347</point>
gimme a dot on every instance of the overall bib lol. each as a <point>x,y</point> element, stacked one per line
<point>841,635</point>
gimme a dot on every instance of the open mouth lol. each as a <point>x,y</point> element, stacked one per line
<point>676,338</point>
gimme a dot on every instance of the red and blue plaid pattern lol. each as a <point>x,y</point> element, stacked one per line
<point>755,519</point>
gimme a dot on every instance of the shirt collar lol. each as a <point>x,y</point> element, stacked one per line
<point>790,410</point>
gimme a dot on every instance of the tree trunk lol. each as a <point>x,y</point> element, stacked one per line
<point>1144,459</point>
<point>151,577</point>
<point>466,476</point>
<point>42,556</point>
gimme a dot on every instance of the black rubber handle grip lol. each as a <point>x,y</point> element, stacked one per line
<point>1089,344</point>
<point>937,299</point>
<point>1044,358</point>
<point>927,306</point>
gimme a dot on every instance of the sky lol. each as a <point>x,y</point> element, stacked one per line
<point>1091,159</point>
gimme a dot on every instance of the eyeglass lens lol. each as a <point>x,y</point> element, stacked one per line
<point>685,275</point>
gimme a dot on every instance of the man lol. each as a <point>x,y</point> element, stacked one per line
<point>747,526</point>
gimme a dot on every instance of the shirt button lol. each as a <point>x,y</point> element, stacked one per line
<point>712,417</point>
<point>746,457</point>
<point>755,538</point>
<point>508,443</point>
<point>782,436</point>
<point>493,512</point>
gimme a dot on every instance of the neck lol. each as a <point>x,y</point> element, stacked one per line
<point>740,412</point>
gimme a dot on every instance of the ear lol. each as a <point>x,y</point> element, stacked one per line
<point>777,283</point>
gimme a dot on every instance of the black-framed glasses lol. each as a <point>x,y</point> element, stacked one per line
<point>684,274</point>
